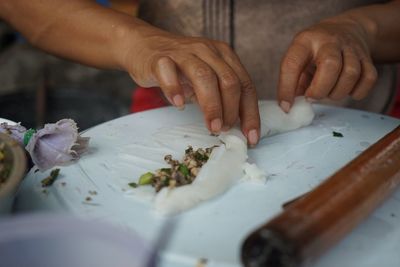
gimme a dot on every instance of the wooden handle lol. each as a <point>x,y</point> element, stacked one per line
<point>315,222</point>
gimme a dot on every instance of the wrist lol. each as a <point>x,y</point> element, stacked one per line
<point>126,41</point>
<point>366,27</point>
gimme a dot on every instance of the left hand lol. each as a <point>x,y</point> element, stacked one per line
<point>331,59</point>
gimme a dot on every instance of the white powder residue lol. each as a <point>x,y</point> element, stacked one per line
<point>252,173</point>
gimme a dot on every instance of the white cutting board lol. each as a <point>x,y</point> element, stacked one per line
<point>122,149</point>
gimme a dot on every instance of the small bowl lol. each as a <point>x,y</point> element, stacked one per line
<point>14,155</point>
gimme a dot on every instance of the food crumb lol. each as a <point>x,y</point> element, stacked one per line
<point>49,180</point>
<point>88,199</point>
<point>337,134</point>
<point>202,262</point>
<point>93,192</point>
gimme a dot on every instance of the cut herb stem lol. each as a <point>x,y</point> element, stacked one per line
<point>49,180</point>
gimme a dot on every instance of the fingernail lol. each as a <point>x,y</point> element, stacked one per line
<point>311,100</point>
<point>216,125</point>
<point>178,101</point>
<point>225,128</point>
<point>253,137</point>
<point>285,106</point>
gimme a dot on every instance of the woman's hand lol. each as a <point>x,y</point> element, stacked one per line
<point>206,71</point>
<point>331,59</point>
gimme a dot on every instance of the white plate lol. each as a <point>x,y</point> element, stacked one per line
<point>296,162</point>
<point>8,121</point>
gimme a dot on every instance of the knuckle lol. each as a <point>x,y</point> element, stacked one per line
<point>331,62</point>
<point>201,46</point>
<point>211,110</point>
<point>224,46</point>
<point>352,72</point>
<point>302,36</point>
<point>291,63</point>
<point>203,73</point>
<point>247,88</point>
<point>229,81</point>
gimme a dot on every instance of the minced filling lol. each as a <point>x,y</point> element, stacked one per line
<point>179,173</point>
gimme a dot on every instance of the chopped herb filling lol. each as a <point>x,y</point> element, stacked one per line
<point>180,173</point>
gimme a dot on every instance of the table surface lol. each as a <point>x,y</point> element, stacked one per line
<point>295,162</point>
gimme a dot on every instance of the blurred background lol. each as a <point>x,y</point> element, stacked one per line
<point>36,87</point>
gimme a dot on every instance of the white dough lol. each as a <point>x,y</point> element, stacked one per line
<point>253,174</point>
<point>227,162</point>
<point>275,121</point>
<point>221,171</point>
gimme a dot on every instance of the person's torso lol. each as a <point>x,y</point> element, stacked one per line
<point>260,32</point>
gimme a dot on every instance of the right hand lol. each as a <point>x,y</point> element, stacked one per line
<point>203,70</point>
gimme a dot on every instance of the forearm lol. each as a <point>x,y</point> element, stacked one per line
<point>382,26</point>
<point>205,70</point>
<point>79,30</point>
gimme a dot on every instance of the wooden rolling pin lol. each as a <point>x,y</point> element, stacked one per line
<point>314,223</point>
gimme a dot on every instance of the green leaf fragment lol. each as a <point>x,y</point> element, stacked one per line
<point>146,178</point>
<point>184,169</point>
<point>133,185</point>
<point>337,134</point>
<point>166,170</point>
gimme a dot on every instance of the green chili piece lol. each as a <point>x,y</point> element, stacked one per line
<point>146,178</point>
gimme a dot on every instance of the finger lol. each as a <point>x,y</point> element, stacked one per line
<point>166,74</point>
<point>205,86</point>
<point>367,80</point>
<point>329,65</point>
<point>186,86</point>
<point>248,105</point>
<point>349,76</point>
<point>229,87</point>
<point>293,64</point>
<point>304,83</point>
